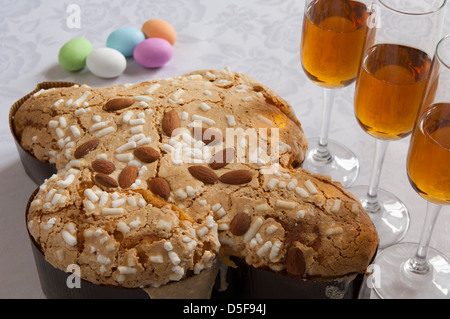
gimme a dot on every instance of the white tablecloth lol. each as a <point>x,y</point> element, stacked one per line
<point>257,37</point>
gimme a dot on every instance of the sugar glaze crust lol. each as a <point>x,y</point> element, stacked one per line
<point>164,219</point>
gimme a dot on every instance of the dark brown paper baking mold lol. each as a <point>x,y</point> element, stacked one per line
<point>38,171</point>
<point>57,284</point>
<point>246,282</point>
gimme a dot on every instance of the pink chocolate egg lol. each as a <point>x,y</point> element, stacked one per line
<point>153,52</point>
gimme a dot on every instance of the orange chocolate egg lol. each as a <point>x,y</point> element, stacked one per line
<point>157,28</point>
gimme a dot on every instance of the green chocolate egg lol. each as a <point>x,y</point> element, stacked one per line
<point>72,56</point>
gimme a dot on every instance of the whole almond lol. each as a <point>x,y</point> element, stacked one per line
<point>203,174</point>
<point>117,104</point>
<point>208,135</point>
<point>295,262</point>
<point>146,154</point>
<point>170,122</point>
<point>105,180</point>
<point>222,158</point>
<point>127,176</point>
<point>86,148</point>
<point>160,187</point>
<point>236,177</point>
<point>240,224</point>
<point>103,166</point>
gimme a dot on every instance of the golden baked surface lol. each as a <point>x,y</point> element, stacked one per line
<point>143,197</point>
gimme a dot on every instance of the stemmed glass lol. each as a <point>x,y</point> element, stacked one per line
<point>333,36</point>
<point>409,270</point>
<point>389,87</point>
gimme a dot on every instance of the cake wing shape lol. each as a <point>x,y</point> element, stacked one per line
<point>157,179</point>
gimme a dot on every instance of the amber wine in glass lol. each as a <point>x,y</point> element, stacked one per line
<point>389,90</point>
<point>429,156</point>
<point>333,36</point>
<point>335,29</point>
<point>410,270</point>
<point>388,93</point>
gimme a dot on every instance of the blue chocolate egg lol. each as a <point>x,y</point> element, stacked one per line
<point>125,40</point>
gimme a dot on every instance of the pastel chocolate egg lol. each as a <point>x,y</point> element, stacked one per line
<point>157,28</point>
<point>72,55</point>
<point>153,52</point>
<point>106,62</point>
<point>125,40</point>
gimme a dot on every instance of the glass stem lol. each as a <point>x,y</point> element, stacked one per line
<point>322,153</point>
<point>418,264</point>
<point>372,205</point>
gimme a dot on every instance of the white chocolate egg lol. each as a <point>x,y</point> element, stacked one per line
<point>106,62</point>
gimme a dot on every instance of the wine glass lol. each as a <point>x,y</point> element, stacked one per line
<point>388,91</point>
<point>410,270</point>
<point>333,36</point>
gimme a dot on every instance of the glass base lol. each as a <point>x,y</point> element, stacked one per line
<point>342,166</point>
<point>390,216</point>
<point>392,280</point>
